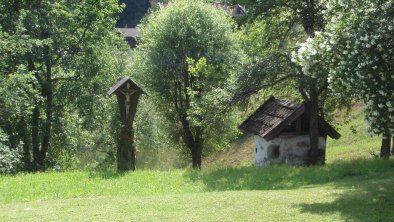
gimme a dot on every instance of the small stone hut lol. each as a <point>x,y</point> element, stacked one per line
<point>281,130</point>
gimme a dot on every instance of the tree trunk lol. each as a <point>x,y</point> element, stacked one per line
<point>126,150</point>
<point>392,147</point>
<point>196,152</point>
<point>313,127</point>
<point>40,152</point>
<point>47,131</point>
<point>385,148</point>
<point>35,136</point>
<point>26,148</point>
<point>193,142</point>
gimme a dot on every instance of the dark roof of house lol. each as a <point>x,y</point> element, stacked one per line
<point>120,84</point>
<point>233,10</point>
<point>238,10</point>
<point>130,32</point>
<point>273,116</point>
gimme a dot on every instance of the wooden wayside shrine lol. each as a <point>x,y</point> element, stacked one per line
<point>127,93</point>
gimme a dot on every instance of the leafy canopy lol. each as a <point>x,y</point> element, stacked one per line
<point>186,58</point>
<point>355,53</point>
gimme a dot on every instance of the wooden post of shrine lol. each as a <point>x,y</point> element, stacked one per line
<point>127,93</point>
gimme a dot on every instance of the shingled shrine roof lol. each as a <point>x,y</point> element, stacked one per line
<point>273,116</point>
<point>123,81</point>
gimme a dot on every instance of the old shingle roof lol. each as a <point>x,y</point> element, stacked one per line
<point>121,82</point>
<point>274,115</point>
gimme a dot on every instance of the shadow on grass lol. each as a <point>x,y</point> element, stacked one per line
<point>285,177</point>
<point>368,185</point>
<point>369,201</point>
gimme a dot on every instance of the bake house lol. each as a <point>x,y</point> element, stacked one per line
<point>281,130</point>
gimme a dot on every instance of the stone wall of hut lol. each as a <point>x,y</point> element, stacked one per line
<point>285,149</point>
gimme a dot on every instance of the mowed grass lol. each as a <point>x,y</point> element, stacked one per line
<point>370,201</point>
<point>352,186</point>
<point>356,191</point>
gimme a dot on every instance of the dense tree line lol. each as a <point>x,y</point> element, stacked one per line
<point>58,58</point>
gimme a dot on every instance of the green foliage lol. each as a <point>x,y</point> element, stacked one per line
<point>271,31</point>
<point>155,146</point>
<point>363,61</point>
<point>17,99</point>
<point>266,66</point>
<point>206,109</point>
<point>57,60</point>
<point>354,53</point>
<point>187,55</point>
<point>10,158</point>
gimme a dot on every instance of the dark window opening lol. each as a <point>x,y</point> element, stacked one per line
<point>273,151</point>
<point>256,149</point>
<point>300,125</point>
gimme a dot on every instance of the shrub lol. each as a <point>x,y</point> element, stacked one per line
<point>9,158</point>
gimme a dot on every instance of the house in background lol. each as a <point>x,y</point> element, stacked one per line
<point>233,10</point>
<point>131,35</point>
<point>281,130</point>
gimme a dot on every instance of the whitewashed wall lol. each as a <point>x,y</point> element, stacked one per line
<point>293,150</point>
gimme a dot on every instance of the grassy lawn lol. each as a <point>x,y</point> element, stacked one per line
<point>355,190</point>
<point>352,186</point>
<point>369,201</point>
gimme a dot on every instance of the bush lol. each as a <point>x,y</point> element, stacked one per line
<point>9,158</point>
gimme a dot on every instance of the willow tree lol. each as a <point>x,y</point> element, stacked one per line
<point>187,54</point>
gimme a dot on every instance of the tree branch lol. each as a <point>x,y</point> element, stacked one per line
<point>303,94</point>
<point>249,91</point>
<point>71,78</point>
<point>32,68</point>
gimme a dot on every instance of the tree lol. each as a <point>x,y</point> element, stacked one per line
<point>356,49</point>
<point>283,24</point>
<point>59,46</point>
<point>9,158</point>
<point>187,53</point>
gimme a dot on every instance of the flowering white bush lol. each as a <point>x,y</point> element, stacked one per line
<point>9,158</point>
<point>355,54</point>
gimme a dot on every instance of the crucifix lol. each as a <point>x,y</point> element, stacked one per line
<point>127,93</point>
